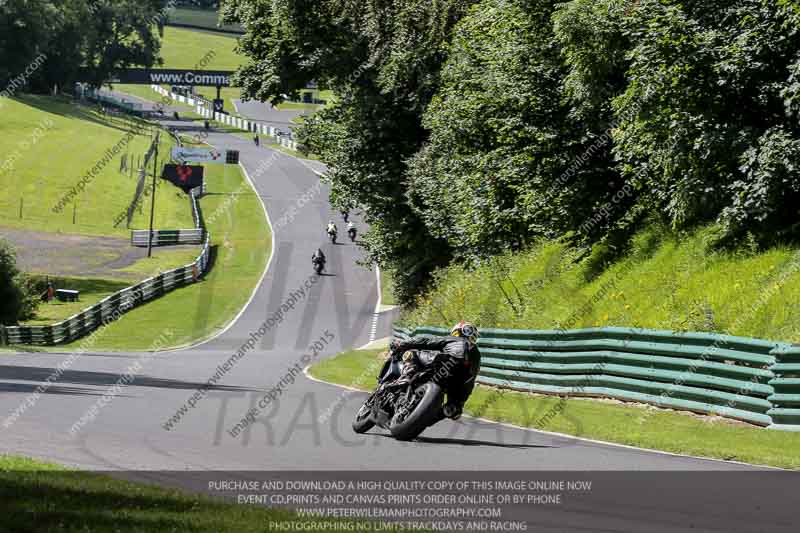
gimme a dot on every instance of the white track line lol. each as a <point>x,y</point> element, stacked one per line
<point>309,167</point>
<point>235,319</point>
<point>566,436</point>
<point>376,313</point>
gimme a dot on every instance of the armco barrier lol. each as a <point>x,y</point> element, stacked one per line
<point>753,380</point>
<point>167,237</point>
<point>112,307</point>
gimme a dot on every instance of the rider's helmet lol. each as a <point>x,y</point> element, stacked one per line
<point>467,330</point>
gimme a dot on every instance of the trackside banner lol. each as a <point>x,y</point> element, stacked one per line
<point>184,176</point>
<point>197,155</point>
<point>201,78</point>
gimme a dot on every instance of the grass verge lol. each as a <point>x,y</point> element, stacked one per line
<point>631,424</point>
<point>91,292</point>
<point>387,292</point>
<point>39,496</point>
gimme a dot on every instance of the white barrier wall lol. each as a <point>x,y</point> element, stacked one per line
<point>229,120</point>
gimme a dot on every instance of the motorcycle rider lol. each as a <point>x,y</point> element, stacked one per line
<point>332,229</point>
<point>351,230</point>
<point>460,346</point>
<point>318,257</point>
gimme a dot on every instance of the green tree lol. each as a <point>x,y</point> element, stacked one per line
<point>98,36</point>
<point>508,159</point>
<point>706,115</point>
<point>383,60</point>
<point>16,299</point>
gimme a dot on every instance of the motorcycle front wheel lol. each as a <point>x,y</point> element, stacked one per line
<point>411,420</point>
<point>363,421</point>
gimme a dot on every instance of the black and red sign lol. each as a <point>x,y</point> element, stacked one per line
<point>187,177</point>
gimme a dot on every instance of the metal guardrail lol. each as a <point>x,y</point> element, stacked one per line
<point>753,380</point>
<point>168,237</point>
<point>112,307</point>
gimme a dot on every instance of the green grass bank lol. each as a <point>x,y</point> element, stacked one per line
<point>665,281</point>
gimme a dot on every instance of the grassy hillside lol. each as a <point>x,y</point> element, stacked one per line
<point>666,281</point>
<point>199,17</point>
<point>185,48</point>
<point>49,145</point>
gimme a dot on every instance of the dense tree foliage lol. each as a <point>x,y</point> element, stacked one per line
<point>383,59</point>
<point>17,301</point>
<point>468,129</point>
<point>44,43</point>
<point>500,166</point>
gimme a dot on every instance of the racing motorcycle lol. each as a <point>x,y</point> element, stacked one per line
<point>319,266</point>
<point>352,233</point>
<point>332,235</point>
<point>406,405</point>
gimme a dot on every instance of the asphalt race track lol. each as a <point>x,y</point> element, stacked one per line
<point>308,426</point>
<point>264,114</point>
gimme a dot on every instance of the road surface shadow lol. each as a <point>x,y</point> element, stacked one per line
<point>83,377</point>
<point>29,388</point>
<point>469,442</point>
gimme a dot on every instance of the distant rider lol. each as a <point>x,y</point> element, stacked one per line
<point>332,229</point>
<point>318,257</point>
<point>460,346</point>
<point>351,230</point>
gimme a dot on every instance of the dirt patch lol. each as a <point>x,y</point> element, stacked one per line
<point>59,254</point>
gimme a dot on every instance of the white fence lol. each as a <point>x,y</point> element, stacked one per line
<point>229,120</point>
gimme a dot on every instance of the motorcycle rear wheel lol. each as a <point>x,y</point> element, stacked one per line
<point>428,399</point>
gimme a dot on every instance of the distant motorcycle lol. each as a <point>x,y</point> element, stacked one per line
<point>332,235</point>
<point>352,233</point>
<point>319,266</point>
<point>407,406</point>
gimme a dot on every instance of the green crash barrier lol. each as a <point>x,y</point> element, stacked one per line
<point>785,400</point>
<point>753,380</point>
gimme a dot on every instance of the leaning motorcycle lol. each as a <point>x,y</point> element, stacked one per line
<point>407,406</point>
